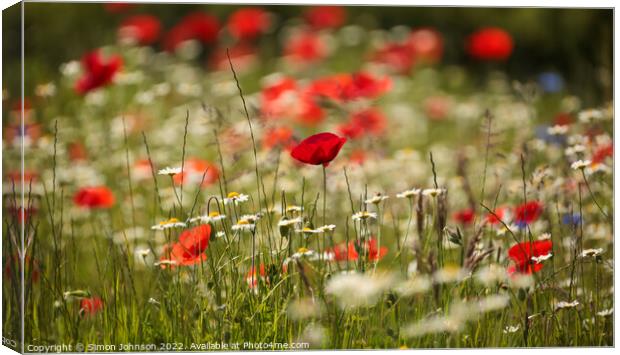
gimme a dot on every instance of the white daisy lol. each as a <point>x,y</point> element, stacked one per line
<point>580,164</point>
<point>591,253</point>
<point>511,329</point>
<point>363,215</point>
<point>236,198</point>
<point>409,193</point>
<point>285,222</point>
<point>563,305</point>
<point>170,223</point>
<point>540,259</point>
<point>210,218</point>
<point>376,199</point>
<point>169,171</point>
<point>605,312</point>
<point>432,192</point>
<point>243,225</point>
<point>557,130</point>
<point>294,209</point>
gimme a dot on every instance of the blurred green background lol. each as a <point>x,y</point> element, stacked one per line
<point>577,43</point>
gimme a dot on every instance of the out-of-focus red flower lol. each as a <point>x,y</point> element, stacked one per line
<point>436,107</point>
<point>77,151</point>
<point>281,137</point>
<point>141,29</point>
<point>142,170</point>
<point>305,47</point>
<point>21,214</point>
<point>344,252</point>
<point>603,152</point>
<point>465,216</point>
<point>427,44</point>
<point>563,119</point>
<point>318,149</point>
<point>500,214</point>
<point>528,212</point>
<point>365,85</point>
<point>16,176</point>
<point>200,26</point>
<point>98,72</point>
<point>242,55</point>
<point>396,56</point>
<point>117,7</point>
<point>523,253</point>
<point>252,278</point>
<point>194,169</point>
<point>33,264</point>
<point>357,156</point>
<point>325,16</point>
<point>284,98</point>
<point>189,250</point>
<point>248,23</point>
<point>91,306</point>
<point>492,43</point>
<point>94,197</point>
<point>369,121</point>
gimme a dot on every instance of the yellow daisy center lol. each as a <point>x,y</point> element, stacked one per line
<point>233,194</point>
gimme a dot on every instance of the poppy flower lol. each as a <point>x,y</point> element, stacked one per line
<point>368,121</point>
<point>492,44</point>
<point>242,55</point>
<point>436,107</point>
<point>248,23</point>
<point>465,216</point>
<point>603,152</point>
<point>190,249</point>
<point>117,7</point>
<point>142,29</point>
<point>527,213</point>
<point>396,56</point>
<point>365,85</point>
<point>21,214</point>
<point>77,151</point>
<point>427,44</point>
<point>563,119</point>
<point>94,197</point>
<point>344,252</point>
<point>91,306</point>
<point>283,98</point>
<point>305,47</point>
<point>194,169</point>
<point>322,17</point>
<point>500,214</point>
<point>278,137</point>
<point>199,26</point>
<point>318,149</point>
<point>522,254</point>
<point>16,176</point>
<point>252,278</point>
<point>98,72</point>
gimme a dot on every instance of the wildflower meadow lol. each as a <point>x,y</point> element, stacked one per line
<point>244,177</point>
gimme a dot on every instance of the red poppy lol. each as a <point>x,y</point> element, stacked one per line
<point>248,23</point>
<point>97,71</point>
<point>344,252</point>
<point>278,137</point>
<point>22,214</point>
<point>305,47</point>
<point>368,121</point>
<point>603,152</point>
<point>117,7</point>
<point>16,176</point>
<point>94,197</point>
<point>523,253</point>
<point>436,107</point>
<point>194,169</point>
<point>142,29</point>
<point>198,26</point>
<point>91,306</point>
<point>283,98</point>
<point>252,279</point>
<point>318,149</point>
<point>528,212</point>
<point>142,170</point>
<point>563,119</point>
<point>399,57</point>
<point>365,85</point>
<point>77,151</point>
<point>465,216</point>
<point>242,55</point>
<point>427,44</point>
<point>325,16</point>
<point>357,156</point>
<point>190,249</point>
<point>490,44</point>
<point>499,215</point>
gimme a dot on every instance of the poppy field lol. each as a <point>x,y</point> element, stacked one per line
<point>268,181</point>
